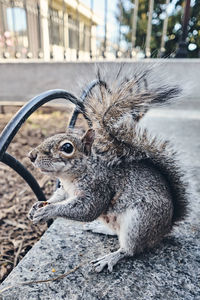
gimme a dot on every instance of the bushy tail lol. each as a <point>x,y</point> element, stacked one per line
<point>109,107</point>
<point>114,111</point>
<point>161,155</point>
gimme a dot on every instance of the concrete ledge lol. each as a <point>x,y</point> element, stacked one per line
<point>169,272</point>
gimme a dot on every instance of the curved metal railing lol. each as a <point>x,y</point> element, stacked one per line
<point>21,116</point>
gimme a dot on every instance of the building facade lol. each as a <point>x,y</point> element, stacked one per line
<point>47,29</point>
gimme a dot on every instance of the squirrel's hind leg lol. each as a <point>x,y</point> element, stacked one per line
<point>129,230</point>
<point>109,260</point>
<point>98,227</point>
<point>128,237</point>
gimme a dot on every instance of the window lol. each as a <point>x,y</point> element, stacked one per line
<point>86,38</point>
<point>56,27</point>
<point>16,38</point>
<point>16,19</point>
<point>73,33</point>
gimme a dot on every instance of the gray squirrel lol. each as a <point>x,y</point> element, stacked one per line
<point>116,176</point>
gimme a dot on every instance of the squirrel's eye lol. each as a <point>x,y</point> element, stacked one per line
<point>67,148</point>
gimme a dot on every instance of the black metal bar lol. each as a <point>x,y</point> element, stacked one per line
<point>84,95</point>
<point>119,32</point>
<point>63,28</point>
<point>105,27</point>
<point>13,126</point>
<point>3,26</point>
<point>40,50</point>
<point>14,29</point>
<point>78,29</point>
<point>182,49</point>
<point>50,8</point>
<point>91,22</point>
<point>74,118</point>
<point>25,174</point>
<point>27,27</point>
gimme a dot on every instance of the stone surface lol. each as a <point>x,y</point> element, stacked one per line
<point>170,271</point>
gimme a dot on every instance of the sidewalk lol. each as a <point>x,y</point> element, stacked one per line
<point>20,81</point>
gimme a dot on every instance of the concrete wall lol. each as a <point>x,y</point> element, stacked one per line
<point>20,81</point>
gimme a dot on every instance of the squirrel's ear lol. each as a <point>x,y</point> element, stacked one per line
<point>88,140</point>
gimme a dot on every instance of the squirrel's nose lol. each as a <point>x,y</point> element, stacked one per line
<point>32,155</point>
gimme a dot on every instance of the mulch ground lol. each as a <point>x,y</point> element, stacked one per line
<point>17,233</point>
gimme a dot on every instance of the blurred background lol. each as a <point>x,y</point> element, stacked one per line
<point>99,29</point>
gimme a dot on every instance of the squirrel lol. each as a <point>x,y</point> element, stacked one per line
<point>116,177</point>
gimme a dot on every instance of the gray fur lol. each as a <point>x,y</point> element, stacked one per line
<point>121,176</point>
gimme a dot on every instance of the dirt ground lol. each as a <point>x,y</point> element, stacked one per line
<point>17,233</point>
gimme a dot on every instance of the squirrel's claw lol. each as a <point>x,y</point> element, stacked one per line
<point>43,214</point>
<point>109,260</point>
<point>33,209</point>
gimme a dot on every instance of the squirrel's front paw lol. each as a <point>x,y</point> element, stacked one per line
<point>35,207</point>
<point>42,214</point>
